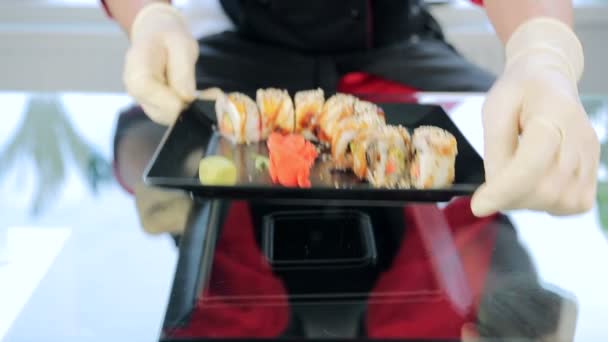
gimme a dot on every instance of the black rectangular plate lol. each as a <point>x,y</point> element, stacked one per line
<point>175,164</point>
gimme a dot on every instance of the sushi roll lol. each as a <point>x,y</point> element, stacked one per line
<point>346,132</point>
<point>276,111</point>
<point>388,157</point>
<point>435,155</point>
<point>238,118</point>
<point>382,156</point>
<point>335,109</point>
<point>309,104</point>
<point>365,107</point>
<point>359,147</point>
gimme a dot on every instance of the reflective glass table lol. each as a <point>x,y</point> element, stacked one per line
<point>83,259</point>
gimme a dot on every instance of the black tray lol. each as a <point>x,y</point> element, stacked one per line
<point>175,163</point>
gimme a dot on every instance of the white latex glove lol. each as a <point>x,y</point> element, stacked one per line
<point>159,68</point>
<point>162,211</point>
<point>541,152</point>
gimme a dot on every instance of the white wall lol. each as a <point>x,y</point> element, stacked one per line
<point>45,46</point>
<point>469,30</point>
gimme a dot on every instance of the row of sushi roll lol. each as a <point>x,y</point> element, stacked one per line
<point>355,130</point>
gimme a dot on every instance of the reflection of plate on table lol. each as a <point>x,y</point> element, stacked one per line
<point>193,136</point>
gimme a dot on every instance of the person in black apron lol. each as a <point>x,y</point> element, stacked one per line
<point>537,134</point>
<point>300,45</point>
<point>287,44</point>
<point>306,44</point>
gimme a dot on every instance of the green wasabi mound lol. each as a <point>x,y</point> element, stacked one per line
<point>217,170</point>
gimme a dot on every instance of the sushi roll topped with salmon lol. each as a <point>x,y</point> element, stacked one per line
<point>336,108</point>
<point>355,131</point>
<point>238,118</point>
<point>309,104</point>
<point>366,107</point>
<point>276,111</point>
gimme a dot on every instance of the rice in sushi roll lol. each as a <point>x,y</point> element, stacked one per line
<point>346,132</point>
<point>382,156</point>
<point>309,104</point>
<point>336,108</point>
<point>276,111</point>
<point>365,107</point>
<point>388,157</point>
<point>238,118</point>
<point>435,156</point>
<point>358,149</point>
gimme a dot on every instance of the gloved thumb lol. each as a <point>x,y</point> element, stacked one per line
<point>501,130</point>
<point>182,54</point>
<point>500,126</point>
<point>536,151</point>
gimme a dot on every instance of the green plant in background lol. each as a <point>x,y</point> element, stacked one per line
<point>47,138</point>
<point>602,199</point>
<point>597,108</point>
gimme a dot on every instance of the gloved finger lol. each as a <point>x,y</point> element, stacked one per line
<point>535,153</point>
<point>182,54</point>
<point>210,94</point>
<point>557,193</point>
<point>501,128</point>
<point>581,195</point>
<point>160,103</point>
<point>570,200</point>
<point>144,80</point>
<point>588,198</point>
<point>589,175</point>
<point>163,116</point>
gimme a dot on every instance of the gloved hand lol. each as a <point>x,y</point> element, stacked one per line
<point>541,152</point>
<point>159,68</point>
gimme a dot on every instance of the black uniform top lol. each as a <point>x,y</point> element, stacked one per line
<point>329,25</point>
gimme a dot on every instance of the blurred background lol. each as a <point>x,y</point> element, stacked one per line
<point>64,218</point>
<point>69,45</point>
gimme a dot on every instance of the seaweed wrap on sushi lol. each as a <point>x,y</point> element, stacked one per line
<point>358,152</point>
<point>308,106</point>
<point>238,118</point>
<point>276,111</point>
<point>434,160</point>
